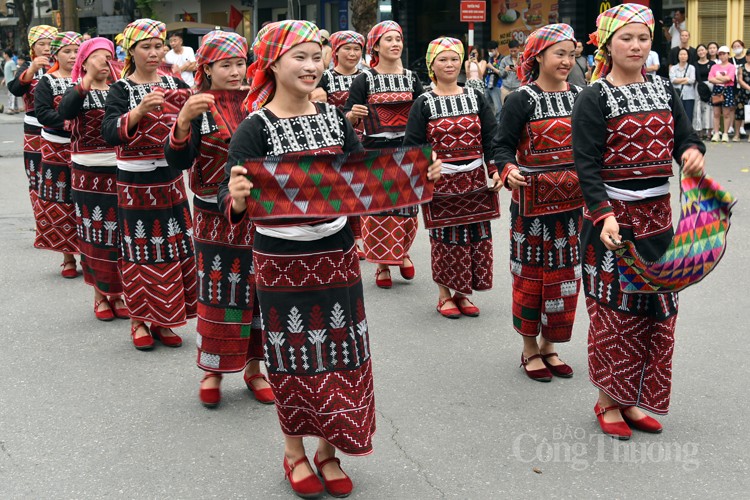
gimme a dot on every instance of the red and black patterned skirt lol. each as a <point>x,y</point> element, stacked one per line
<point>32,158</point>
<point>316,338</point>
<point>545,262</point>
<point>158,262</point>
<point>631,336</point>
<point>462,257</point>
<point>94,194</point>
<point>228,327</point>
<point>55,214</point>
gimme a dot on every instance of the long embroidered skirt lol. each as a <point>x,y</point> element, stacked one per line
<point>546,267</point>
<point>229,333</point>
<point>631,336</point>
<point>94,194</point>
<point>387,237</point>
<point>32,158</point>
<point>316,339</point>
<point>158,263</point>
<point>462,257</point>
<point>55,216</point>
<point>355,222</point>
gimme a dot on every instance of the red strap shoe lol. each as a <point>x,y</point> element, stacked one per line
<point>562,370</point>
<point>106,314</point>
<point>617,430</point>
<point>210,397</point>
<point>144,343</point>
<point>645,424</point>
<point>120,312</point>
<point>69,272</point>
<point>465,305</point>
<point>264,395</point>
<point>385,282</point>
<point>308,487</point>
<point>451,312</point>
<point>173,340</point>
<point>407,272</point>
<point>540,375</point>
<point>338,488</point>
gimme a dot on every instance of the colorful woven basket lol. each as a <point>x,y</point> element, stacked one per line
<point>698,244</point>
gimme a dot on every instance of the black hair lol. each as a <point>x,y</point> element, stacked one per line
<point>8,52</point>
<point>176,33</point>
<point>686,51</point>
<point>681,10</point>
<point>513,44</point>
<point>492,45</point>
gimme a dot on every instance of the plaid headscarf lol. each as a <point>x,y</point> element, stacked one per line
<point>273,41</point>
<point>65,38</point>
<point>374,35</point>
<point>85,51</point>
<point>218,45</point>
<point>42,31</point>
<point>140,29</point>
<point>537,42</point>
<point>610,21</point>
<point>341,38</point>
<point>441,45</point>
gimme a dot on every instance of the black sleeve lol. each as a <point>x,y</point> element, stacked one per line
<point>673,56</point>
<point>72,102</point>
<point>489,127</point>
<point>684,133</point>
<point>182,155</point>
<point>589,141</point>
<point>324,82</point>
<point>416,126</point>
<point>417,86</point>
<point>513,118</point>
<point>16,87</point>
<point>248,141</point>
<point>44,106</point>
<point>357,92</point>
<point>352,143</point>
<point>114,108</point>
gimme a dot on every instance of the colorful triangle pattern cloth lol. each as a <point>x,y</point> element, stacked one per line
<point>697,246</point>
<point>335,185</point>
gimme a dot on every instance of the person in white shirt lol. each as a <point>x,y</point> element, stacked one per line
<point>678,24</point>
<point>181,58</point>
<point>652,63</point>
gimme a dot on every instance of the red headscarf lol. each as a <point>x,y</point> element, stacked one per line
<point>218,45</point>
<point>341,38</point>
<point>373,37</point>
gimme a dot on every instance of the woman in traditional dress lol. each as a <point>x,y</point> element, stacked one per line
<point>536,160</point>
<point>55,221</point>
<point>460,126</point>
<point>158,264</point>
<point>229,337</point>
<point>382,97</point>
<point>624,129</point>
<point>28,75</point>
<point>94,174</point>
<point>333,88</point>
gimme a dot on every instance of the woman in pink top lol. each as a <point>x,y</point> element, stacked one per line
<point>722,75</point>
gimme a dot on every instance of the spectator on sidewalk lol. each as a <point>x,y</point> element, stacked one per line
<point>652,63</point>
<point>684,43</point>
<point>492,80</point>
<point>508,65</point>
<point>181,58</point>
<point>9,73</point>
<point>672,33</point>
<point>578,72</point>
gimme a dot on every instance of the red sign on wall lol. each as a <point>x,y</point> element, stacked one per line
<point>473,12</point>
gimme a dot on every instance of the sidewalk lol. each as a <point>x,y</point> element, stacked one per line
<point>5,117</point>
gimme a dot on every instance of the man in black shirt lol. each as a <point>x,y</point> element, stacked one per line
<point>684,44</point>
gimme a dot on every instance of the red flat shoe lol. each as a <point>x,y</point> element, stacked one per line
<point>265,395</point>
<point>169,341</point>
<point>383,283</point>
<point>469,310</point>
<point>645,424</point>
<point>451,313</point>
<point>106,314</point>
<point>338,488</point>
<point>617,430</point>
<point>69,273</point>
<point>145,343</point>
<point>120,312</point>
<point>540,375</point>
<point>210,398</point>
<point>309,487</point>
<point>563,370</point>
<point>360,253</point>
<point>407,272</point>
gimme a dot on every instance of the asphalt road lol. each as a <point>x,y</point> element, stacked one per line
<point>84,415</point>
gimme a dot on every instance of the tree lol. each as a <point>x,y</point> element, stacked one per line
<point>25,13</point>
<point>364,15</point>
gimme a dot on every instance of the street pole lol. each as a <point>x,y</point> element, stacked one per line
<point>69,15</point>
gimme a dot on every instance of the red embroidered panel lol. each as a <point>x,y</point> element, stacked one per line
<point>639,146</point>
<point>456,138</point>
<point>546,143</point>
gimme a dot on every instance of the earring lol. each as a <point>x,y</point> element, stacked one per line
<point>208,77</point>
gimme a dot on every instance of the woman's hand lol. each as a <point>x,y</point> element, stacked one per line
<point>433,171</point>
<point>38,63</point>
<point>693,162</point>
<point>498,183</point>
<point>318,95</point>
<point>611,233</point>
<point>195,106</point>
<point>357,112</point>
<point>239,188</point>
<point>150,102</point>
<point>515,179</point>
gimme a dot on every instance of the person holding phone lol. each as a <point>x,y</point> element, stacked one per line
<point>508,65</point>
<point>475,67</point>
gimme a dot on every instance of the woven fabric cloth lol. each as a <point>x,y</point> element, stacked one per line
<point>140,29</point>
<point>272,42</point>
<point>65,38</point>
<point>335,185</point>
<point>218,45</point>
<point>374,36</point>
<point>537,42</point>
<point>42,31</point>
<point>341,38</point>
<point>697,246</point>
<point>85,50</point>
<point>610,21</point>
<point>441,45</point>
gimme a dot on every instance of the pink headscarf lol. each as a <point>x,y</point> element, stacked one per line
<point>85,50</point>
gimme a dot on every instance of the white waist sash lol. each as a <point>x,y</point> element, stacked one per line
<point>95,159</point>
<point>55,138</point>
<point>628,195</point>
<point>450,168</point>
<point>31,120</point>
<point>141,165</point>
<point>304,232</point>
